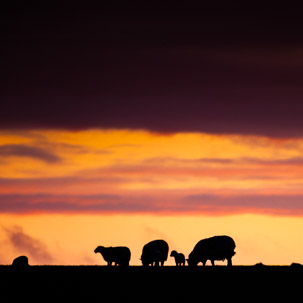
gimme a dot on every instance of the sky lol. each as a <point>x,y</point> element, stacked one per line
<point>118,127</point>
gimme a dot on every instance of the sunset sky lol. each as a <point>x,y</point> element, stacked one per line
<point>118,127</point>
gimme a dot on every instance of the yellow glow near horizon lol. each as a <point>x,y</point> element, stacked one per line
<point>72,239</point>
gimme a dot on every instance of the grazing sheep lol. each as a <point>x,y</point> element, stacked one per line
<point>179,258</point>
<point>296,265</point>
<point>259,265</point>
<point>119,255</point>
<point>20,261</point>
<point>154,252</point>
<point>214,248</point>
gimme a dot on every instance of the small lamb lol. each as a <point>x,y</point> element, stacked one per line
<point>179,258</point>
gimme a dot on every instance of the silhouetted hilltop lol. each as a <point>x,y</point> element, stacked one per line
<point>138,283</point>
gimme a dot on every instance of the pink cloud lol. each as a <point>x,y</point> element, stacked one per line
<point>165,203</point>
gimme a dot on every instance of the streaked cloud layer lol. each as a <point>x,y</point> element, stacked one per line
<point>289,205</point>
<point>115,171</point>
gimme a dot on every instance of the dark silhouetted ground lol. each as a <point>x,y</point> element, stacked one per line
<point>138,284</point>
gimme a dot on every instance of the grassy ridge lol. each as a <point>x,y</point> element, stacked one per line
<point>137,284</point>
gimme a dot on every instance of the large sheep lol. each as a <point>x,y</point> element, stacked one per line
<point>154,253</point>
<point>214,248</point>
<point>119,255</point>
<point>20,261</point>
<point>179,258</point>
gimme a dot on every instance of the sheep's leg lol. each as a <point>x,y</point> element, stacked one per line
<point>229,262</point>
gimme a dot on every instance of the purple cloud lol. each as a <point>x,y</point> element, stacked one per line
<point>168,203</point>
<point>21,150</point>
<point>256,203</point>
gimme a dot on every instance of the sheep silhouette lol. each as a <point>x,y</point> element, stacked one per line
<point>214,248</point>
<point>179,258</point>
<point>296,265</point>
<point>154,253</point>
<point>119,255</point>
<point>20,261</point>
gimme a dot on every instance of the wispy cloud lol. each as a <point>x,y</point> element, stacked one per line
<point>21,150</point>
<point>23,243</point>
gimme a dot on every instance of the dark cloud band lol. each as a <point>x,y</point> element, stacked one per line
<point>215,73</point>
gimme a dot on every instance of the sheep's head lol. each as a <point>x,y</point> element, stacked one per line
<point>99,249</point>
<point>173,253</point>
